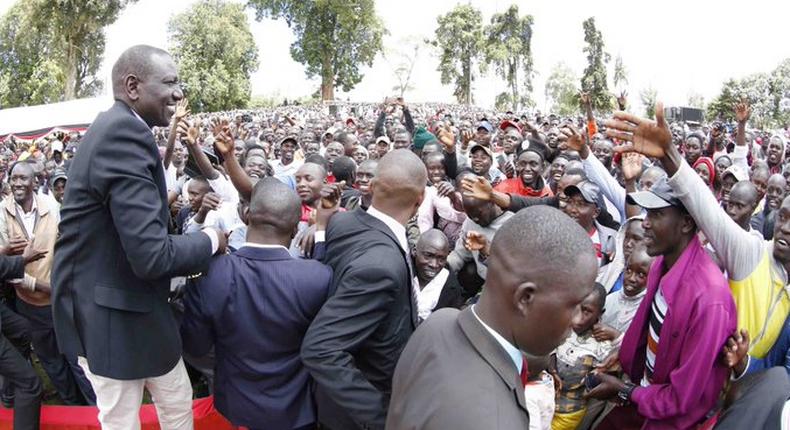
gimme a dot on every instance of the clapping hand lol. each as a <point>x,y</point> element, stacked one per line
<point>446,138</point>
<point>211,202</point>
<point>182,110</point>
<point>650,138</point>
<point>743,111</point>
<point>475,241</point>
<point>30,255</point>
<point>735,350</point>
<point>631,164</point>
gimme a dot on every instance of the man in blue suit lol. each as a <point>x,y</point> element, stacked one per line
<point>254,307</point>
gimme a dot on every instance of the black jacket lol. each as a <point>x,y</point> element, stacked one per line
<point>114,258</point>
<point>353,344</point>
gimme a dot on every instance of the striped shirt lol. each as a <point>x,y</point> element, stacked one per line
<point>658,310</point>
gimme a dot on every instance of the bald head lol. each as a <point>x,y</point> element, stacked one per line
<point>399,184</point>
<point>134,61</point>
<point>433,238</point>
<point>532,302</point>
<point>744,191</point>
<point>274,207</point>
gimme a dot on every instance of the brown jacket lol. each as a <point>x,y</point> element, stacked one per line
<point>45,233</point>
<point>454,375</point>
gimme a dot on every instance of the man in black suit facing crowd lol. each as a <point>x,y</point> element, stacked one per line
<point>353,344</point>
<point>114,258</point>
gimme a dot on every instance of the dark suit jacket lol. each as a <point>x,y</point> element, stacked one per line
<point>353,344</point>
<point>255,306</point>
<point>12,267</point>
<point>114,258</point>
<point>452,293</point>
<point>454,375</point>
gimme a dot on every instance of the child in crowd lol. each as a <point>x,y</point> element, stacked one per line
<point>576,358</point>
<point>539,393</point>
<point>622,304</point>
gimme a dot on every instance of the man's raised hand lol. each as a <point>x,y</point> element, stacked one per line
<point>477,187</point>
<point>647,137</point>
<point>743,111</point>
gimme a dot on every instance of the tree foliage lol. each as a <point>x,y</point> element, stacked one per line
<point>459,38</point>
<point>561,90</point>
<point>51,50</point>
<point>648,98</point>
<point>77,30</point>
<point>212,44</point>
<point>768,94</point>
<point>508,48</point>
<point>620,75</point>
<point>594,77</point>
<point>334,38</point>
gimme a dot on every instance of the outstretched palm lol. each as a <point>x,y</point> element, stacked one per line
<point>631,165</point>
<point>650,138</point>
<point>742,111</point>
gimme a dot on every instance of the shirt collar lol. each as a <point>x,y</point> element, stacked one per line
<point>261,245</point>
<point>22,210</point>
<point>140,118</point>
<point>397,228</point>
<point>511,350</point>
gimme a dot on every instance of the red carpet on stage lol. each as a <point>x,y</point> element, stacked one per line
<point>85,417</point>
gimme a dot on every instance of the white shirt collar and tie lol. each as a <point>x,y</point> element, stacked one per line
<point>397,228</point>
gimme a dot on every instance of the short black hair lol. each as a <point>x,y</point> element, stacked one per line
<point>317,159</point>
<point>274,204</point>
<point>600,295</point>
<point>344,169</point>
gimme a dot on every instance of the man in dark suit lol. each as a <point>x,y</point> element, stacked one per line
<point>14,368</point>
<point>466,370</point>
<point>255,306</point>
<point>353,344</point>
<point>114,257</point>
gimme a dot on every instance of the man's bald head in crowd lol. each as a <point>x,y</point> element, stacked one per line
<point>532,301</point>
<point>399,184</point>
<point>274,210</point>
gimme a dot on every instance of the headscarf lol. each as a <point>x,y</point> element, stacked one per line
<point>711,169</point>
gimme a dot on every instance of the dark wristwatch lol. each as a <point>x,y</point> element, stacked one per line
<point>624,395</point>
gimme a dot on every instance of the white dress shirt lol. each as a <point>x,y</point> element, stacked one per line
<point>428,297</point>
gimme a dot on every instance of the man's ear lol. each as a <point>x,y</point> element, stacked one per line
<point>131,84</point>
<point>245,215</point>
<point>524,297</point>
<point>689,225</point>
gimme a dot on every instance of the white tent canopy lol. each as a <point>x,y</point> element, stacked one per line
<point>72,112</point>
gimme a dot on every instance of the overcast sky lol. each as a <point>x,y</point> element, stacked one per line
<point>677,47</point>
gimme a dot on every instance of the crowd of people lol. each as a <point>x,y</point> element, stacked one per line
<point>397,266</point>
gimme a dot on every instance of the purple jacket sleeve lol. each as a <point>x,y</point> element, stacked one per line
<point>681,403</point>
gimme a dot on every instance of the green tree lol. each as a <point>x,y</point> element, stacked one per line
<point>29,69</point>
<point>620,75</point>
<point>648,97</point>
<point>508,48</point>
<point>594,77</point>
<point>77,30</point>
<point>561,90</point>
<point>459,38</point>
<point>334,38</point>
<point>212,44</point>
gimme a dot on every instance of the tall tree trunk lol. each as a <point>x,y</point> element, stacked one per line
<point>70,64</point>
<point>514,85</point>
<point>467,77</point>
<point>327,79</point>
